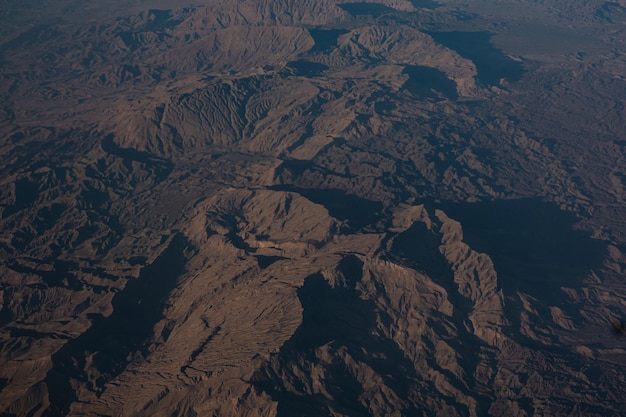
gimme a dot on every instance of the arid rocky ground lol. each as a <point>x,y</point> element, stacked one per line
<point>312,208</point>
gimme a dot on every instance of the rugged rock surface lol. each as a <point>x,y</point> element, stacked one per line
<point>281,208</point>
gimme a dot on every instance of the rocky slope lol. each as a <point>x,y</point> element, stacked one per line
<point>280,208</point>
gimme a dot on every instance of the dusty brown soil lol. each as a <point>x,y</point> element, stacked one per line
<point>312,208</point>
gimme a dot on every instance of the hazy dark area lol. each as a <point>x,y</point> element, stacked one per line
<point>357,211</point>
<point>532,243</point>
<point>417,248</point>
<point>325,39</point>
<point>307,68</point>
<point>362,8</point>
<point>492,64</point>
<point>339,318</point>
<point>428,82</point>
<point>111,342</point>
<point>425,4</point>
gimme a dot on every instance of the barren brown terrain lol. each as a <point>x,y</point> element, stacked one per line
<point>287,208</point>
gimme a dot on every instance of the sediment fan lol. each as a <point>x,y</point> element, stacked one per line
<point>311,208</point>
